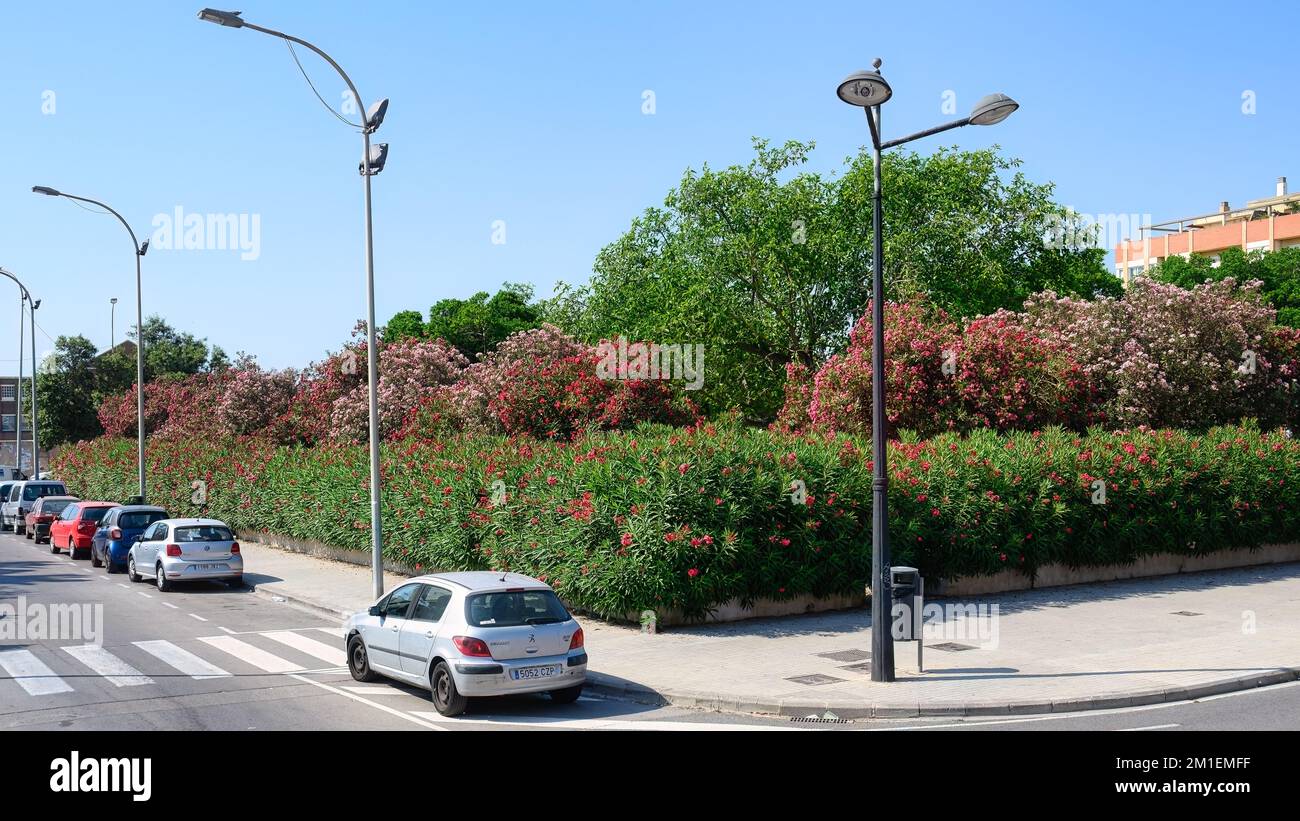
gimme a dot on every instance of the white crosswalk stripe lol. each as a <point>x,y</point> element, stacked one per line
<point>255,656</point>
<point>183,660</point>
<point>31,673</point>
<point>112,668</point>
<point>325,652</point>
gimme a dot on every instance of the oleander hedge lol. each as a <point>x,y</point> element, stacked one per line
<point>688,518</point>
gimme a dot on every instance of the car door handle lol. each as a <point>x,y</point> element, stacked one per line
<point>393,628</point>
<point>428,634</point>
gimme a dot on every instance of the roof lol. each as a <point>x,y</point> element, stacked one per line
<point>86,502</point>
<point>149,508</point>
<point>188,522</point>
<point>488,580</point>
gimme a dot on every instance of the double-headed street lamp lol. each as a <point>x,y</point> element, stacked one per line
<point>372,162</point>
<point>140,249</point>
<point>869,90</point>
<point>26,296</point>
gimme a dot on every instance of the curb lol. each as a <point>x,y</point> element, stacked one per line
<point>799,707</point>
<point>299,601</point>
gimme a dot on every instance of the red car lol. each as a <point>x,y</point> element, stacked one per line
<point>76,526</point>
<point>43,513</point>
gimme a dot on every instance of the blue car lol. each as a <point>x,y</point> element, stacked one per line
<point>120,528</point>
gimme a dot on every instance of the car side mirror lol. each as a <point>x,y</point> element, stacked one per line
<point>375,611</point>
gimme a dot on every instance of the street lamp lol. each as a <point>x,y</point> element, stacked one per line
<point>112,323</point>
<point>25,296</point>
<point>372,162</point>
<point>139,250</point>
<point>869,90</point>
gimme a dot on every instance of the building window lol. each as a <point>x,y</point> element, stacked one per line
<point>7,422</point>
<point>8,393</point>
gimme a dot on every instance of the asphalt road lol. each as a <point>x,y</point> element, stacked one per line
<point>212,657</point>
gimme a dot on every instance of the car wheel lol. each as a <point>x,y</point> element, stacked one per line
<point>236,582</point>
<point>94,558</point>
<point>358,662</point>
<point>447,700</point>
<point>130,569</point>
<point>29,534</point>
<point>160,579</point>
<point>54,548</point>
<point>566,696</point>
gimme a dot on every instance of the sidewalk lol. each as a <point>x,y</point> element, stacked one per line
<point>1117,644</point>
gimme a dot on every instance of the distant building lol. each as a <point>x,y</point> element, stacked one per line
<point>9,422</point>
<point>1264,224</point>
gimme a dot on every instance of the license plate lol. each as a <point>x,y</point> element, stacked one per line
<point>530,673</point>
<point>210,568</point>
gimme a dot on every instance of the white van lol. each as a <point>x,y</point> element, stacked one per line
<point>9,473</point>
<point>21,497</point>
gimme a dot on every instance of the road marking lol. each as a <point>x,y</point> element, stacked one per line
<point>183,660</point>
<point>375,690</point>
<point>142,593</point>
<point>193,616</point>
<point>599,723</point>
<point>383,707</point>
<point>255,656</point>
<point>31,673</point>
<point>226,629</point>
<point>124,586</point>
<point>337,632</point>
<point>311,647</point>
<point>1152,727</point>
<point>112,668</point>
<point>169,604</point>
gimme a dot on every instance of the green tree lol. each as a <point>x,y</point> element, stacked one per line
<point>404,325</point>
<point>65,391</point>
<point>475,325</point>
<point>768,264</point>
<point>1279,271</point>
<point>169,351</point>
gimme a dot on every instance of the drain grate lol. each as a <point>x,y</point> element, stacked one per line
<point>846,655</point>
<point>814,680</point>
<point>829,718</point>
<point>1186,613</point>
<point>951,646</point>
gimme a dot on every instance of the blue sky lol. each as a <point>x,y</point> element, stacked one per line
<point>532,114</point>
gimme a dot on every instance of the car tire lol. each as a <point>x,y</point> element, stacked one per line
<point>447,700</point>
<point>236,583</point>
<point>54,548</point>
<point>29,534</point>
<point>130,570</point>
<point>566,696</point>
<point>160,580</point>
<point>359,661</point>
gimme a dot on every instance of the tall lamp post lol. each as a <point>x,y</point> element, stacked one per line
<point>25,296</point>
<point>868,90</point>
<point>112,323</point>
<point>372,162</point>
<point>140,250</point>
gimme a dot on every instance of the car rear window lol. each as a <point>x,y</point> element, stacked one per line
<point>33,492</point>
<point>514,608</point>
<point>139,518</point>
<point>203,533</point>
<point>55,506</point>
<point>93,514</point>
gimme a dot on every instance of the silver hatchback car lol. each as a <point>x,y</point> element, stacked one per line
<point>462,635</point>
<point>182,550</point>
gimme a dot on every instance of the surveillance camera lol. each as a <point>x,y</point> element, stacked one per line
<point>378,156</point>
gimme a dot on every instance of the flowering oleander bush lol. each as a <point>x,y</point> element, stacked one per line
<point>254,399</point>
<point>659,517</point>
<point>173,406</point>
<point>409,371</point>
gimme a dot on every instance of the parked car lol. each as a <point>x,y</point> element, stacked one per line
<point>11,473</point>
<point>76,526</point>
<point>22,495</point>
<point>5,487</point>
<point>43,513</point>
<point>180,550</point>
<point>120,528</point>
<point>461,635</point>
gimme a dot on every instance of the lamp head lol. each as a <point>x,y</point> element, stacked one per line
<point>230,19</point>
<point>992,109</point>
<point>375,116</point>
<point>46,190</point>
<point>378,156</point>
<point>865,88</point>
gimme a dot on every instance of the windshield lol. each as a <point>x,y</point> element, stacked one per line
<point>93,514</point>
<point>56,507</point>
<point>33,492</point>
<point>203,533</point>
<point>514,608</point>
<point>139,518</point>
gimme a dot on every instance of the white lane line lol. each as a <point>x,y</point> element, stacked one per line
<point>322,651</point>
<point>31,673</point>
<point>337,632</point>
<point>600,723</point>
<point>124,586</point>
<point>383,707</point>
<point>112,668</point>
<point>169,604</point>
<point>1151,727</point>
<point>142,593</point>
<point>375,690</point>
<point>194,616</point>
<point>255,656</point>
<point>183,660</point>
<point>226,630</point>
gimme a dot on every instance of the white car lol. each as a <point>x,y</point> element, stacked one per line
<point>460,635</point>
<point>22,495</point>
<point>185,550</point>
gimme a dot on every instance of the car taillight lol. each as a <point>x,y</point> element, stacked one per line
<point>173,550</point>
<point>578,640</point>
<point>470,646</point>
<point>234,547</point>
<point>115,533</point>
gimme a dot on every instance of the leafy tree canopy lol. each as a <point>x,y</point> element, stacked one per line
<point>1278,270</point>
<point>475,325</point>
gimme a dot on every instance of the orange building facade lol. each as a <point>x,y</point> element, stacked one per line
<point>1264,224</point>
